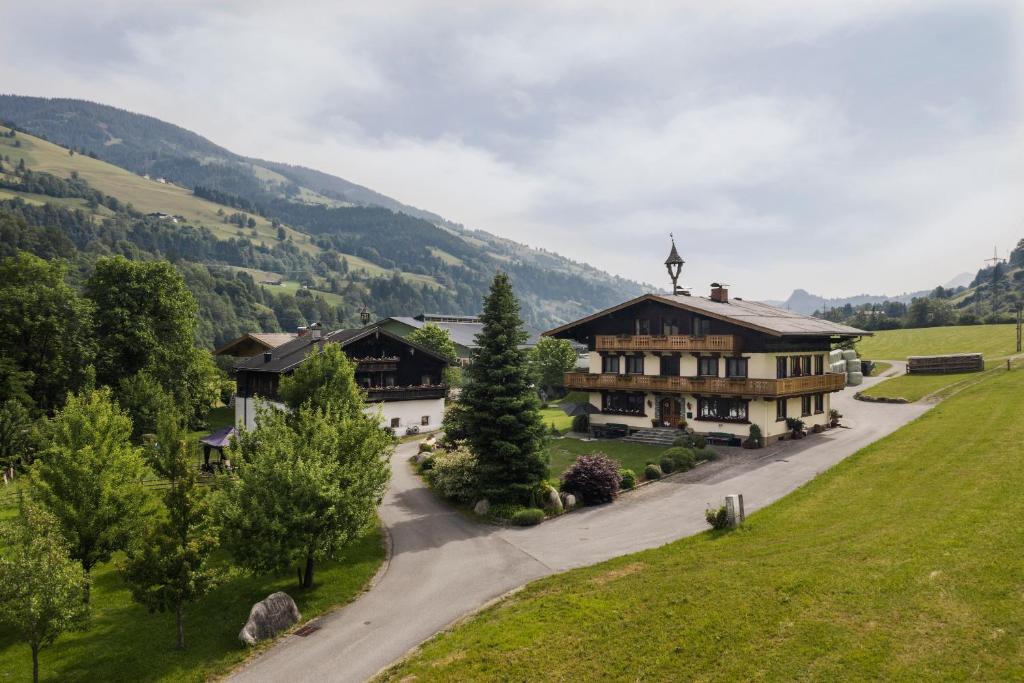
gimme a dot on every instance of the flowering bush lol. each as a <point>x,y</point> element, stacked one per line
<point>593,479</point>
<point>454,475</point>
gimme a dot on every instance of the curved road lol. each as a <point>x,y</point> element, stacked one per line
<point>444,566</point>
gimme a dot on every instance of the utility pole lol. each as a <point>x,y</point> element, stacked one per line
<point>1020,307</point>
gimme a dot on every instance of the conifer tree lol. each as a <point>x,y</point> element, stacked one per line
<point>502,417</point>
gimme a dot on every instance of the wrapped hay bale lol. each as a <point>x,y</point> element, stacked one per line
<point>835,355</point>
<point>854,379</point>
<point>849,354</point>
<point>853,366</point>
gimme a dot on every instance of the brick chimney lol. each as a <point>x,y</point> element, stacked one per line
<point>719,293</point>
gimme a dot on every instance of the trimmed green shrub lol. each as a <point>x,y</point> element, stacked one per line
<point>755,439</point>
<point>554,430</point>
<point>717,517</point>
<point>593,479</point>
<point>668,466</point>
<point>627,479</point>
<point>581,423</point>
<point>426,447</point>
<point>454,475</point>
<point>706,454</point>
<point>684,441</point>
<point>528,517</point>
<point>652,472</point>
<point>505,511</point>
<point>682,458</point>
<point>699,441</point>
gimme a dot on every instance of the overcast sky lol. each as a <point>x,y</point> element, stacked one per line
<point>835,146</point>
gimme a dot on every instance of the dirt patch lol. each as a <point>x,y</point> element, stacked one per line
<point>625,570</point>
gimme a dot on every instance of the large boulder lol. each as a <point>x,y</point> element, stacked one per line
<point>568,501</point>
<point>551,501</point>
<point>269,617</point>
<point>482,507</point>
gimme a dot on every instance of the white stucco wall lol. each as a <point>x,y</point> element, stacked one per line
<point>407,412</point>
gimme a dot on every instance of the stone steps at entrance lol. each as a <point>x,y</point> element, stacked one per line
<point>654,436</point>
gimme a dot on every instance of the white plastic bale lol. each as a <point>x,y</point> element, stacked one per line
<point>853,366</point>
<point>849,354</point>
<point>854,379</point>
<point>835,355</point>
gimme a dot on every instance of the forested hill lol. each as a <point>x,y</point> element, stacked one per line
<point>349,240</point>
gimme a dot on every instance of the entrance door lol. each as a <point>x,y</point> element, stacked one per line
<point>670,412</point>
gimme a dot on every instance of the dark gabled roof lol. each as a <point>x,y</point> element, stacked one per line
<point>287,356</point>
<point>463,334</point>
<point>754,315</point>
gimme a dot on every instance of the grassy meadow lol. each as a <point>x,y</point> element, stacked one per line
<point>993,341</point>
<point>126,643</point>
<point>900,563</point>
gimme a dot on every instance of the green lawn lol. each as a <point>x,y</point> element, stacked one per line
<point>900,563</point>
<point>634,456</point>
<point>879,368</point>
<point>126,643</point>
<point>555,415</point>
<point>915,387</point>
<point>992,340</point>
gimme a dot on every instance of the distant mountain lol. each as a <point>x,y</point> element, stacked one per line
<point>961,280</point>
<point>349,239</point>
<point>802,301</point>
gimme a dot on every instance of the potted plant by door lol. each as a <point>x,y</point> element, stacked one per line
<point>796,427</point>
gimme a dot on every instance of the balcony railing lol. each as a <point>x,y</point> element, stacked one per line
<point>724,343</point>
<point>774,388</point>
<point>406,393</point>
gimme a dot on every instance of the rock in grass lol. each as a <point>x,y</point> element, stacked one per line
<point>269,617</point>
<point>552,502</point>
<point>568,501</point>
<point>482,507</point>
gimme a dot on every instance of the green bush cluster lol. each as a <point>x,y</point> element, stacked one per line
<point>528,517</point>
<point>426,447</point>
<point>652,472</point>
<point>668,466</point>
<point>627,479</point>
<point>699,441</point>
<point>454,475</point>
<point>682,459</point>
<point>717,517</point>
<point>706,453</point>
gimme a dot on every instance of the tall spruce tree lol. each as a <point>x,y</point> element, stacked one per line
<point>502,416</point>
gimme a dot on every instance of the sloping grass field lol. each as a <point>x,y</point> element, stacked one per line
<point>900,563</point>
<point>992,340</point>
<point>126,643</point>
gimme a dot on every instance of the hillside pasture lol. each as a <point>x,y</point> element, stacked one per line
<point>994,341</point>
<point>899,563</point>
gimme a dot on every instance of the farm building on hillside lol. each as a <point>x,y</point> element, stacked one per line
<point>401,379</point>
<point>717,364</point>
<point>461,328</point>
<point>255,343</point>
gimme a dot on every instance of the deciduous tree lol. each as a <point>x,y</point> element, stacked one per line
<point>326,377</point>
<point>170,567</point>
<point>502,418</point>
<point>40,586</point>
<point>89,476</point>
<point>306,487</point>
<point>550,359</point>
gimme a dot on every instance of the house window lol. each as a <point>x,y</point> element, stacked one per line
<point>670,366</point>
<point>642,326</point>
<point>735,367</point>
<point>796,366</point>
<point>707,367</point>
<point>805,405</point>
<point>701,327</point>
<point>622,403</point>
<point>819,365</point>
<point>395,423</point>
<point>425,420</point>
<point>634,365</point>
<point>819,404</point>
<point>609,364</point>
<point>669,326</point>
<point>780,410</point>
<point>722,409</point>
<point>780,367</point>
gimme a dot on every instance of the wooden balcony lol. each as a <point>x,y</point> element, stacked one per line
<point>767,388</point>
<point>411,393</point>
<point>723,343</point>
